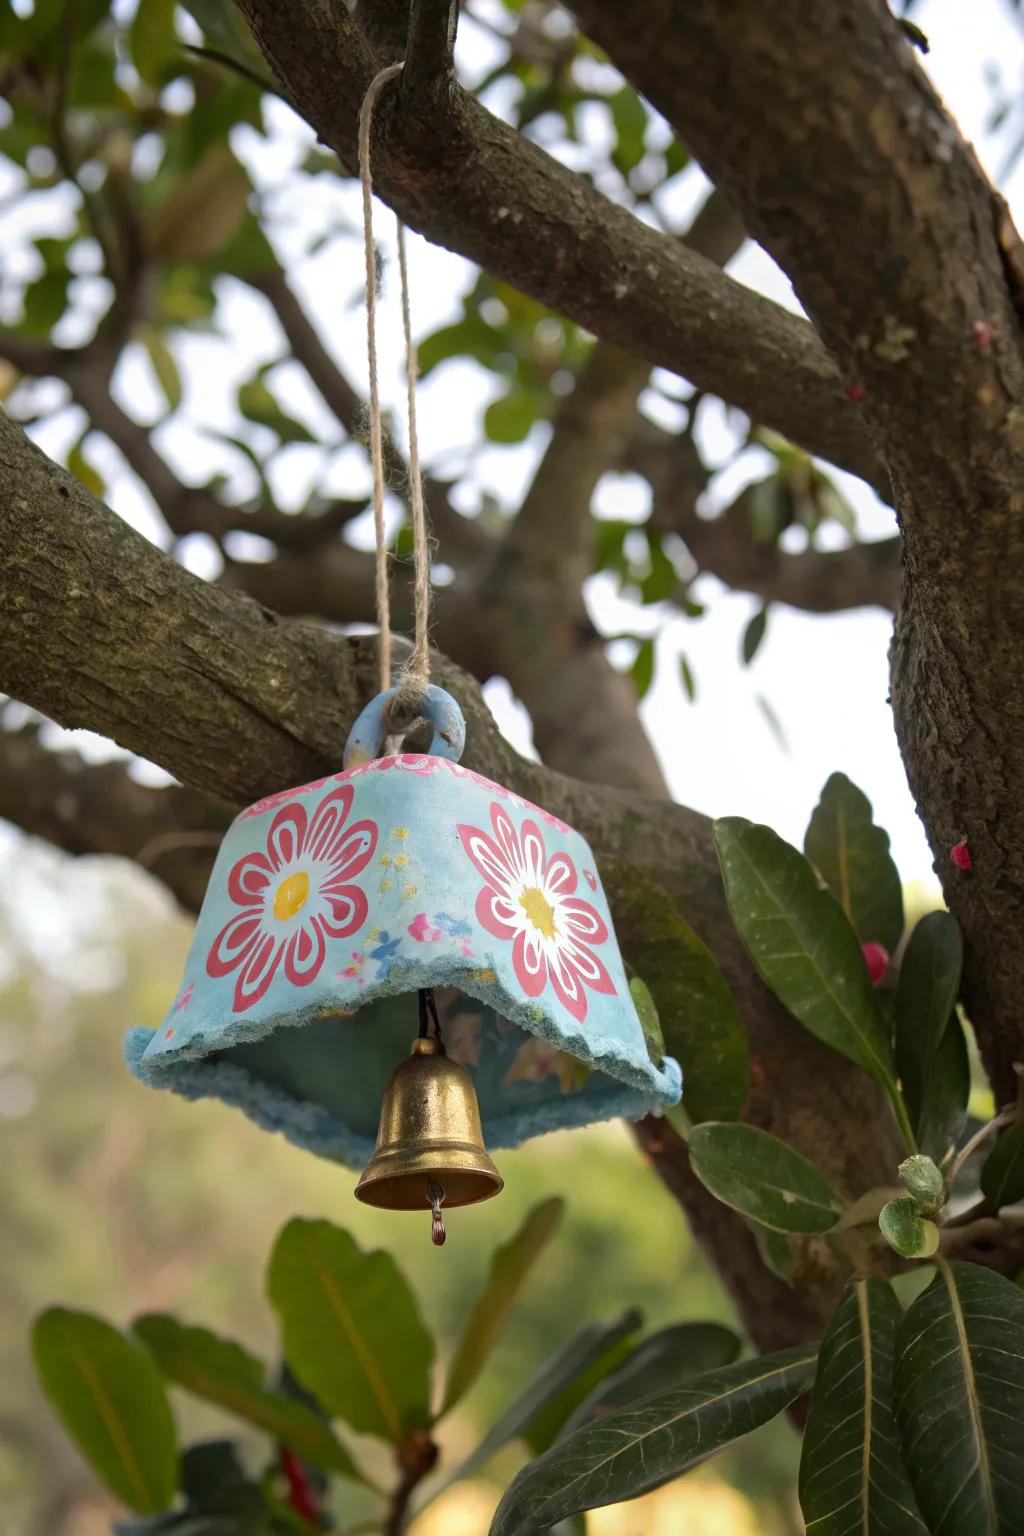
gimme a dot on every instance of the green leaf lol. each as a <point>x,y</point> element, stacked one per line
<point>637,1449</point>
<point>609,537</point>
<point>852,1478</point>
<point>959,1401</point>
<point>931,1068</point>
<point>759,1175</point>
<point>470,337</point>
<point>164,366</point>
<point>226,31</point>
<point>922,1179</point>
<point>510,1265</point>
<point>542,1432</point>
<point>775,1251</point>
<point>257,403</point>
<point>109,1396</point>
<point>222,1372</point>
<point>79,466</point>
<point>213,1481</point>
<point>184,296</point>
<point>656,1364</point>
<point>754,634</point>
<point>630,122</point>
<point>773,722</point>
<point>152,40</point>
<point>203,210</point>
<point>150,1525</point>
<point>247,253</point>
<point>906,1231</point>
<point>801,943</point>
<point>1002,1173</point>
<point>949,1088</point>
<point>647,1013</point>
<point>677,158</point>
<point>551,1389</point>
<point>662,578</point>
<point>642,670</point>
<point>699,1019</point>
<point>44,301</point>
<point>509,418</point>
<point>191,1525</point>
<point>687,678</point>
<point>851,854</point>
<point>352,1332</point>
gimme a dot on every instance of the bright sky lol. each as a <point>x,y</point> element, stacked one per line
<point>824,678</point>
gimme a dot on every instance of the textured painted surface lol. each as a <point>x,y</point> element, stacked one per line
<point>330,904</point>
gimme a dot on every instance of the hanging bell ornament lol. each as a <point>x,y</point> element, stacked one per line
<point>430,1146</point>
<point>332,905</point>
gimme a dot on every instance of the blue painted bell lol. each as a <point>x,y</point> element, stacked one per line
<point>335,908</point>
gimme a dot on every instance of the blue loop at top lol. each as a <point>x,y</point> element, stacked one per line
<point>368,734</point>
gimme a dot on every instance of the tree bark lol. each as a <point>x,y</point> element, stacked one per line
<point>821,126</point>
<point>470,183</point>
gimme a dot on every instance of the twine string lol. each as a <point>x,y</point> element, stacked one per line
<point>416,672</point>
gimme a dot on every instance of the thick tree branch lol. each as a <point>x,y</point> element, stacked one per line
<point>726,546</point>
<point>814,580</point>
<point>469,182</point>
<point>98,808</point>
<point>584,712</point>
<point>904,257</point>
<point>101,630</point>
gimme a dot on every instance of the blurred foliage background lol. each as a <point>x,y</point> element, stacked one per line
<point>121,1201</point>
<point>113,1198</point>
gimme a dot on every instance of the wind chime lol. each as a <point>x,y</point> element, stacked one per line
<point>406,892</point>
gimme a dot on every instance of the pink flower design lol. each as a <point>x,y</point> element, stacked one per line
<point>184,999</point>
<point>590,878</point>
<point>530,899</point>
<point>423,930</point>
<point>354,972</point>
<point>294,897</point>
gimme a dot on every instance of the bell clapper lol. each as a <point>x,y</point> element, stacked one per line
<point>430,1025</point>
<point>435,1191</point>
<point>435,1194</point>
<point>429,1021</point>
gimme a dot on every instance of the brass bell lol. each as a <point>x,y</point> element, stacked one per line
<point>430,1145</point>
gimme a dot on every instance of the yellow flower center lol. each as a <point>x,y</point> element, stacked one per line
<point>291,895</point>
<point>539,910</point>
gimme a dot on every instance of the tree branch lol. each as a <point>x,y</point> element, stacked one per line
<point>864,575</point>
<point>814,580</point>
<point>904,257</point>
<point>430,54</point>
<point>584,712</point>
<point>185,509</point>
<point>97,808</point>
<point>98,629</point>
<point>469,182</point>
